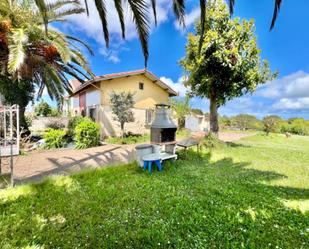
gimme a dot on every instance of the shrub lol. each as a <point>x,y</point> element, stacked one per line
<point>42,109</point>
<point>211,142</point>
<point>54,139</point>
<point>73,122</point>
<point>55,113</point>
<point>86,134</point>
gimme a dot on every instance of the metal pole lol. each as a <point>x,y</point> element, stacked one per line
<point>11,138</point>
<point>11,165</point>
<point>17,127</point>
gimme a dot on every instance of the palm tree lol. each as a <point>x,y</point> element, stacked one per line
<point>43,59</point>
<point>140,13</point>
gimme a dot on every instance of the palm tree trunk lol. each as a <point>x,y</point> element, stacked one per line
<point>214,126</point>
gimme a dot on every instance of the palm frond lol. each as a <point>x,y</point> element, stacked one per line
<point>140,18</point>
<point>231,6</point>
<point>81,42</point>
<point>43,11</point>
<point>100,5</point>
<point>276,12</point>
<point>17,39</point>
<point>154,9</point>
<point>179,11</point>
<point>119,9</point>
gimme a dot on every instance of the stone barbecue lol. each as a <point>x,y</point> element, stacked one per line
<point>163,129</point>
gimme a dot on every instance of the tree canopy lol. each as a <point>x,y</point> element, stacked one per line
<point>228,63</point>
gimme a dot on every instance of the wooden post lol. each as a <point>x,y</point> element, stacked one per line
<point>4,126</point>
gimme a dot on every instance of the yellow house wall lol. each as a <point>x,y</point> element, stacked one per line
<point>144,99</point>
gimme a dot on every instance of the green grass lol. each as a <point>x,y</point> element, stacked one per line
<point>250,194</point>
<point>128,140</point>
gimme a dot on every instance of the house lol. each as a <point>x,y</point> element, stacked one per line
<point>92,99</point>
<point>195,122</point>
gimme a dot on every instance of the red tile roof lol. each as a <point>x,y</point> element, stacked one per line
<point>77,86</point>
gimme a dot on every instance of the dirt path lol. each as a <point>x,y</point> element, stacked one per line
<point>230,136</point>
<point>37,165</point>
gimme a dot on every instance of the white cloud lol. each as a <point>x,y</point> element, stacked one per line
<point>177,86</point>
<point>190,18</point>
<point>292,104</point>
<point>295,85</point>
<point>91,26</point>
<point>288,93</point>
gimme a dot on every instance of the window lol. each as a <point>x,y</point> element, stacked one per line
<point>141,86</point>
<point>92,113</point>
<point>149,116</point>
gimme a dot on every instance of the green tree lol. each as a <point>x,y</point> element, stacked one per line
<point>197,111</point>
<point>245,121</point>
<point>271,124</point>
<point>181,108</point>
<point>42,109</point>
<point>122,104</point>
<point>228,64</point>
<point>17,92</point>
<point>140,15</point>
<point>39,59</point>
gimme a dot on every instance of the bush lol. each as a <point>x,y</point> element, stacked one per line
<point>55,113</point>
<point>54,138</point>
<point>73,122</point>
<point>211,142</point>
<point>86,134</point>
<point>42,109</point>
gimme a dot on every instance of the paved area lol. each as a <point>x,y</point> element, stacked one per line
<point>226,136</point>
<point>37,165</point>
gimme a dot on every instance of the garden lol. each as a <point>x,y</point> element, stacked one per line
<point>238,195</point>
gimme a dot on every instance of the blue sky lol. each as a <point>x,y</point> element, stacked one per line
<point>286,48</point>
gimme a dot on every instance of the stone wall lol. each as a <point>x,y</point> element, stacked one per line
<point>42,123</point>
<point>110,127</point>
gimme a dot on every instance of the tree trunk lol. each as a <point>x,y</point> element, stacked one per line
<point>122,129</point>
<point>214,126</point>
<point>22,121</point>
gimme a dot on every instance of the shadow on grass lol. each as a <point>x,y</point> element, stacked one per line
<point>193,203</point>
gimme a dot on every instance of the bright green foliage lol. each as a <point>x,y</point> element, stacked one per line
<point>252,194</point>
<point>246,121</point>
<point>45,58</point>
<point>54,138</point>
<point>181,108</point>
<point>73,122</point>
<point>211,141</point>
<point>55,113</point>
<point>131,139</point>
<point>228,64</point>
<point>42,109</point>
<point>122,104</point>
<point>86,134</point>
<point>297,126</point>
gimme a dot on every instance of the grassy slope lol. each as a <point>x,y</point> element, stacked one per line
<point>252,194</point>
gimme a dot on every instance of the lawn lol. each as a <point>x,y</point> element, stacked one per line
<point>250,194</point>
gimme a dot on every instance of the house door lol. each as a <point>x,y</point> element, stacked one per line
<point>82,103</point>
